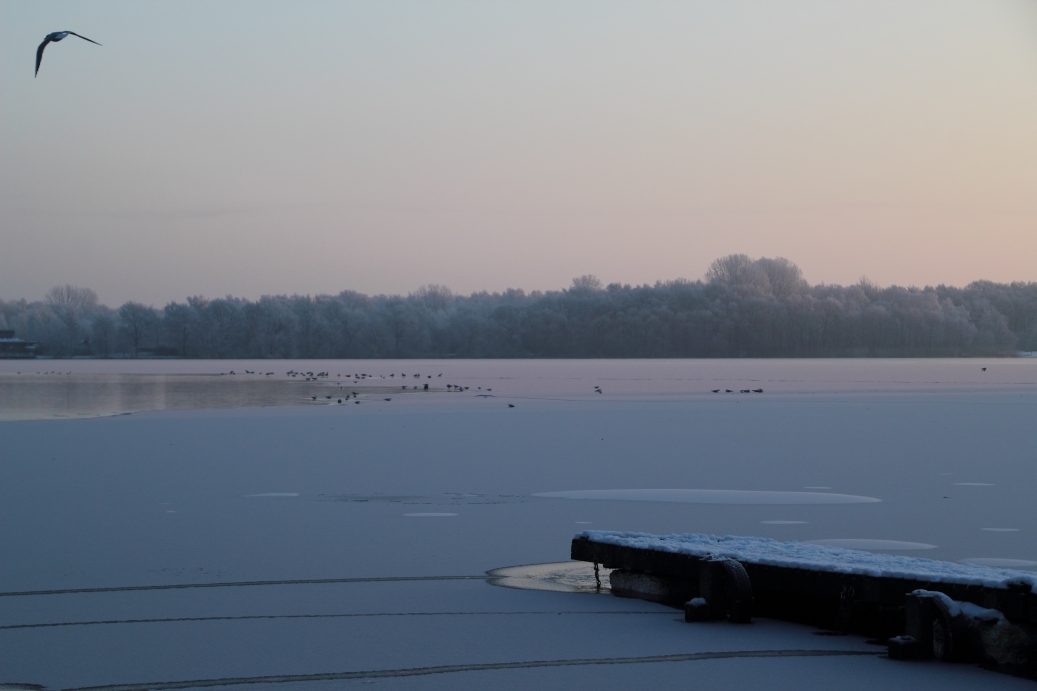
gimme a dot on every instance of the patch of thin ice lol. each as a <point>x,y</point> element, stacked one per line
<point>710,496</point>
<point>974,484</point>
<point>783,522</point>
<point>1001,530</point>
<point>812,557</point>
<point>428,515</point>
<point>1000,563</point>
<point>274,494</point>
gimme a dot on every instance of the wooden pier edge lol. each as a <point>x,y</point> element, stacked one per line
<point>871,605</point>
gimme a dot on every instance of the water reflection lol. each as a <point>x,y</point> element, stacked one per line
<point>49,396</point>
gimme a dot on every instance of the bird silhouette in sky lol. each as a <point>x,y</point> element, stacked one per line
<point>55,37</point>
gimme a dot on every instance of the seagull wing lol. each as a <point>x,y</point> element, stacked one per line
<point>39,52</point>
<point>83,37</point>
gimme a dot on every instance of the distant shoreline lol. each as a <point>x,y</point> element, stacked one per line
<point>122,356</point>
<point>746,309</point>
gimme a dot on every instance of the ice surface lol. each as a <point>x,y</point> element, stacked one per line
<point>709,496</point>
<point>98,387</point>
<point>814,557</point>
<point>1001,563</point>
<point>82,506</point>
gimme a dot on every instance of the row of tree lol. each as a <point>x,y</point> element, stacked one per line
<point>743,308</point>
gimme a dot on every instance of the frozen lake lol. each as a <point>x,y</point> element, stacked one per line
<point>47,389</point>
<point>243,478</point>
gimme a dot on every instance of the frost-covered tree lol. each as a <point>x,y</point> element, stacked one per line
<point>72,296</point>
<point>783,276</point>
<point>746,307</point>
<point>137,323</point>
<point>738,270</point>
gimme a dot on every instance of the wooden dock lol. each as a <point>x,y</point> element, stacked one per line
<point>902,599</point>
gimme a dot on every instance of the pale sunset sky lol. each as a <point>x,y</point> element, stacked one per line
<point>251,148</point>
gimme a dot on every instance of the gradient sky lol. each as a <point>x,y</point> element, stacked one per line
<point>304,147</point>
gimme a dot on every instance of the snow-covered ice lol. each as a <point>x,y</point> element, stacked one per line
<point>83,506</point>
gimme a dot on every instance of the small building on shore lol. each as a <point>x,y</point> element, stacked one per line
<point>11,347</point>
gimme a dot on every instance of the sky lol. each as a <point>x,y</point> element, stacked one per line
<point>251,148</point>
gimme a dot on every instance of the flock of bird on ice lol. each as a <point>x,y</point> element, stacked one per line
<point>357,378</point>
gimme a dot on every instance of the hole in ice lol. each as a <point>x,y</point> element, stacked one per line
<point>974,484</point>
<point>428,515</point>
<point>274,494</point>
<point>872,545</point>
<point>1000,563</point>
<point>783,522</point>
<point>170,511</point>
<point>562,577</point>
<point>1001,530</point>
<point>710,496</point>
<point>583,522</point>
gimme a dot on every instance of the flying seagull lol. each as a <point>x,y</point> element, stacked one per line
<point>55,37</point>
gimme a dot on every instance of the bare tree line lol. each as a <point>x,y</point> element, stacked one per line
<point>743,308</point>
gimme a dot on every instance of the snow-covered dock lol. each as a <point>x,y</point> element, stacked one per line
<point>915,602</point>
